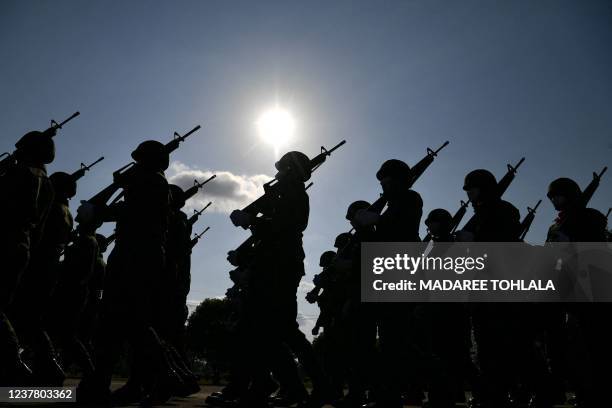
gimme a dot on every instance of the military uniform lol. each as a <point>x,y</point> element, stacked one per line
<point>495,325</point>
<point>27,197</point>
<point>133,275</point>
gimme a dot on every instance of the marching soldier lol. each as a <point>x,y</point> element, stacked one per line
<point>133,277</point>
<point>39,280</point>
<point>576,223</point>
<point>494,220</point>
<point>271,304</point>
<point>399,223</point>
<point>27,197</point>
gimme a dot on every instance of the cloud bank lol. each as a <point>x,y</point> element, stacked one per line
<point>228,191</point>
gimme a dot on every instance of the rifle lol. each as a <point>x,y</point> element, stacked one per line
<point>84,168</point>
<point>109,240</point>
<point>264,201</point>
<point>379,205</point>
<point>191,191</point>
<point>456,220</point>
<point>52,130</point>
<point>505,181</point>
<point>526,223</point>
<point>417,171</point>
<point>419,168</point>
<point>124,173</point>
<point>588,192</point>
<point>197,237</point>
<point>9,160</point>
<point>196,214</point>
<point>608,213</point>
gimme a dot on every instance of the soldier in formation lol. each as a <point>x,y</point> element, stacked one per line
<point>63,304</point>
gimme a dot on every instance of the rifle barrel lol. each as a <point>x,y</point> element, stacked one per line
<point>56,125</point>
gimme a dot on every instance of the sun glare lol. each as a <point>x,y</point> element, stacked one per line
<point>276,127</point>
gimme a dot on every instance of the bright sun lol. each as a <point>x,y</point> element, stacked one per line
<point>276,127</point>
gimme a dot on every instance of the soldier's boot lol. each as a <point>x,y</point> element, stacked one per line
<point>287,398</point>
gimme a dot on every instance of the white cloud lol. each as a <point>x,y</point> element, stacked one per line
<point>306,324</point>
<point>305,286</point>
<point>227,191</point>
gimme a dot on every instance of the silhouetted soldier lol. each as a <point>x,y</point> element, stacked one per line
<point>271,304</point>
<point>357,327</point>
<point>177,282</point>
<point>36,288</point>
<point>399,223</point>
<point>27,197</point>
<point>133,277</point>
<point>446,330</point>
<point>76,300</point>
<point>576,223</point>
<point>494,325</point>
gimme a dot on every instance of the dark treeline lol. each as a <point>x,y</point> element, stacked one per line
<point>62,305</point>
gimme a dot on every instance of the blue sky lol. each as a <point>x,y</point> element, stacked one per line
<point>499,79</point>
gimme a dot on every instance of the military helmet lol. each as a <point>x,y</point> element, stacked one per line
<point>177,195</point>
<point>342,240</point>
<point>438,215</point>
<point>356,206</point>
<point>295,162</point>
<point>564,187</point>
<point>152,152</point>
<point>326,258</point>
<point>394,168</point>
<point>480,178</point>
<point>38,145</point>
<point>63,184</point>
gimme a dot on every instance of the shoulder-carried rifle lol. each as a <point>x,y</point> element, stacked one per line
<point>84,168</point>
<point>528,220</point>
<point>197,237</point>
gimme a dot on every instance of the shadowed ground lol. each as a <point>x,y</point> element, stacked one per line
<point>196,400</point>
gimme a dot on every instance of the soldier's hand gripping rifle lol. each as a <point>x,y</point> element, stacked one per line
<point>197,237</point>
<point>528,220</point>
<point>8,159</point>
<point>588,192</point>
<point>84,168</point>
<point>196,214</point>
<point>241,256</point>
<point>263,203</point>
<point>123,174</point>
